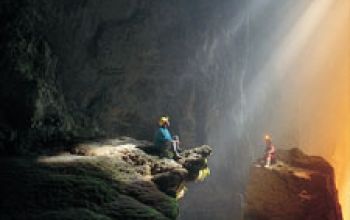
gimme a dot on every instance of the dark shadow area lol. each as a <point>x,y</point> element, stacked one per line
<point>68,186</point>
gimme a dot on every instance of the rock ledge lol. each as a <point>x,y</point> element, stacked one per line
<point>109,179</point>
<point>296,187</point>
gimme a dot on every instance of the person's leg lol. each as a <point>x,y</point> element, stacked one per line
<point>273,159</point>
<point>268,160</point>
<point>177,143</point>
<point>175,151</point>
<point>174,148</point>
<point>167,150</point>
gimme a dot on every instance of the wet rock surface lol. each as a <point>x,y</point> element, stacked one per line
<point>111,179</point>
<point>296,187</point>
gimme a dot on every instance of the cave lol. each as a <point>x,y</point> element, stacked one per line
<point>84,74</point>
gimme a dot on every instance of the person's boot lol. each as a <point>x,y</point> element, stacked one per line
<point>177,157</point>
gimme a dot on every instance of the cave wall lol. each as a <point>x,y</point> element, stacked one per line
<point>33,107</point>
<point>85,69</point>
<point>110,68</point>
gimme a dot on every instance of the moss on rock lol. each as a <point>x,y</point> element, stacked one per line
<point>71,214</point>
<point>120,181</point>
<point>62,190</point>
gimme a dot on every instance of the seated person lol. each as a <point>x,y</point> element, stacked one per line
<point>166,145</point>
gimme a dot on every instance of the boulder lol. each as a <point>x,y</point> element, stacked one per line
<point>296,187</point>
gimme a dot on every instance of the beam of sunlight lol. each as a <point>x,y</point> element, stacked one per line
<point>310,69</point>
<point>282,58</point>
<point>313,62</point>
<point>322,93</point>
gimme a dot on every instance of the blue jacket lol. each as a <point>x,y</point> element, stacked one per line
<point>162,137</point>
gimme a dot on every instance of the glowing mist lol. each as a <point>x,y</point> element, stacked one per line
<point>321,94</point>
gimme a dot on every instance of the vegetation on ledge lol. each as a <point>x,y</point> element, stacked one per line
<point>119,182</point>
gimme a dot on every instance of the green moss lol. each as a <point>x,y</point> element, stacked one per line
<point>91,189</point>
<point>71,214</point>
<point>127,207</point>
<point>203,174</point>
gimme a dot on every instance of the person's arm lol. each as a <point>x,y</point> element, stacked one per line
<point>167,135</point>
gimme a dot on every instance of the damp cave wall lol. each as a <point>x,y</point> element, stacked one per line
<point>87,69</point>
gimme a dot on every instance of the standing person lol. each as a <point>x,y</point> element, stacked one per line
<point>164,141</point>
<point>269,151</point>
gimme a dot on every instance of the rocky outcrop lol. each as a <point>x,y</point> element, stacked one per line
<point>296,187</point>
<point>110,179</point>
<point>168,175</point>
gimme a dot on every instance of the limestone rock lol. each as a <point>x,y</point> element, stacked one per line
<point>296,187</point>
<point>167,174</point>
<point>107,179</point>
<point>195,160</point>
